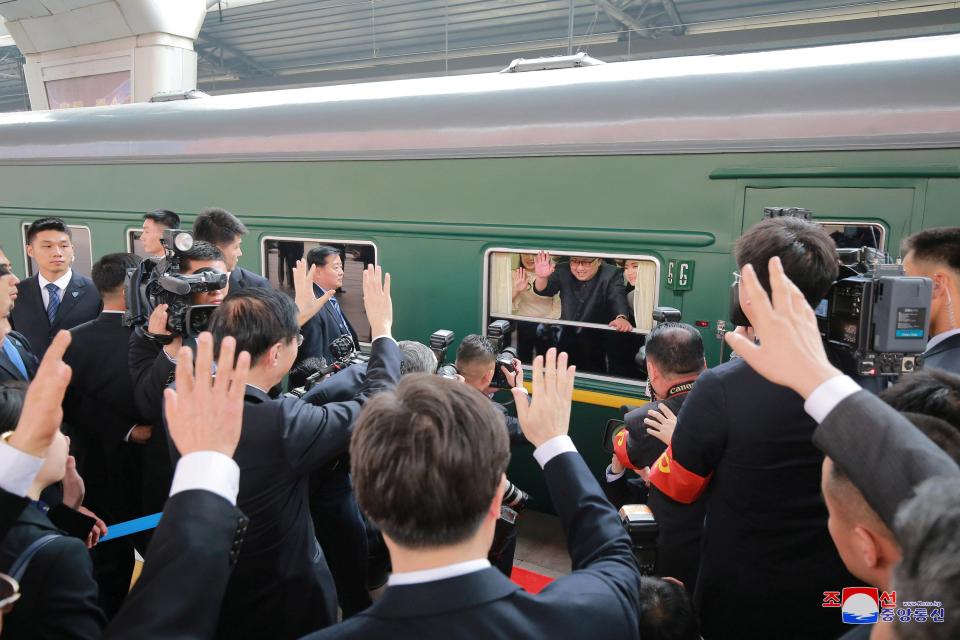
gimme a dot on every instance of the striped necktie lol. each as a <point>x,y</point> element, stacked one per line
<point>54,303</point>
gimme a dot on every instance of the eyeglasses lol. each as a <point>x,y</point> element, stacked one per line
<point>299,340</point>
<point>582,262</point>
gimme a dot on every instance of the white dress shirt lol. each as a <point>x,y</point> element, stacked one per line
<point>17,470</point>
<point>828,395</point>
<point>940,337</point>
<point>61,283</point>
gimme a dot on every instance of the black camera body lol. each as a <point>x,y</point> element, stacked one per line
<point>643,530</point>
<point>498,334</point>
<point>159,281</point>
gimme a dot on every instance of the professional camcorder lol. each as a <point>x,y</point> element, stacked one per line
<point>498,334</point>
<point>344,353</point>
<point>159,281</point>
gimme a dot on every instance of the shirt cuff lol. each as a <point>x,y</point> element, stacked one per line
<point>386,335</point>
<point>613,477</point>
<point>126,438</point>
<point>17,470</point>
<point>552,448</point>
<point>208,471</point>
<point>828,395</point>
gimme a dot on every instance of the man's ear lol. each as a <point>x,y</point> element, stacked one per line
<point>941,284</point>
<point>867,546</point>
<point>29,250</point>
<point>273,355</point>
<point>494,510</point>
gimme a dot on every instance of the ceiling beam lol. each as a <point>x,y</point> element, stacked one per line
<point>643,29</point>
<point>679,28</point>
<point>239,61</point>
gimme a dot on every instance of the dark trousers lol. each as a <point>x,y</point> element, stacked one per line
<point>342,536</point>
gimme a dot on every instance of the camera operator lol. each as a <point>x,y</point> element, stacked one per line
<point>674,355</point>
<point>282,587</point>
<point>744,444</point>
<point>152,365</point>
<point>221,228</point>
<point>935,254</point>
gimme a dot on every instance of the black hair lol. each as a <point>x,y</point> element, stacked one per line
<point>676,348</point>
<point>110,272</point>
<point>47,224</point>
<point>217,226</point>
<point>935,245</point>
<point>4,271</point>
<point>475,348</point>
<point>932,392</point>
<point>808,255</point>
<point>200,252</point>
<point>258,317</point>
<point>163,216</point>
<point>12,395</point>
<point>666,612</point>
<point>318,255</point>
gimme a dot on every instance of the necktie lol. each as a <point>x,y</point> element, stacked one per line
<point>54,303</point>
<point>15,358</point>
<point>339,315</point>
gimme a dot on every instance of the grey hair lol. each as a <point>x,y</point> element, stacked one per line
<point>926,527</point>
<point>417,357</point>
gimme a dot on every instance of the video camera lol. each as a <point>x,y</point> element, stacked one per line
<point>498,335</point>
<point>345,354</point>
<point>159,281</point>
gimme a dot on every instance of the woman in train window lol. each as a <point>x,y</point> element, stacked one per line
<point>622,348</point>
<point>532,338</point>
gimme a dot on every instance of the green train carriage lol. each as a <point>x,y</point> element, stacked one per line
<point>666,161</point>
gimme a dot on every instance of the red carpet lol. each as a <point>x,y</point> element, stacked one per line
<point>530,581</point>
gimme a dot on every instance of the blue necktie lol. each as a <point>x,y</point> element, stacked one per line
<point>54,303</point>
<point>340,319</point>
<point>15,358</point>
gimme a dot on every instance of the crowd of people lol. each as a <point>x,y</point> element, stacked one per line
<point>775,480</point>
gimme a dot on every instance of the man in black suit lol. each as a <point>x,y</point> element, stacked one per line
<point>590,291</point>
<point>282,587</point>
<point>224,230</point>
<point>330,323</point>
<point>154,224</point>
<point>437,500</point>
<point>56,298</point>
<point>935,254</point>
<point>674,355</point>
<point>107,431</point>
<point>744,444</point>
<point>17,361</point>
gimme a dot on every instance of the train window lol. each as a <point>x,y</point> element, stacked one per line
<point>591,295</point>
<point>133,242</point>
<point>854,235</point>
<point>82,250</point>
<point>279,255</point>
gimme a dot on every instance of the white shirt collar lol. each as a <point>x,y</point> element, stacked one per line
<point>61,282</point>
<point>437,573</point>
<point>940,337</point>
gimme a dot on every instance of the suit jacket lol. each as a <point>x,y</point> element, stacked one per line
<point>600,299</point>
<point>945,355</point>
<point>8,370</point>
<point>80,303</point>
<point>321,330</point>
<point>863,434</point>
<point>601,596</point>
<point>282,587</point>
<point>748,442</point>
<point>192,555</point>
<point>11,506</point>
<point>59,593</point>
<point>241,278</point>
<point>341,386</point>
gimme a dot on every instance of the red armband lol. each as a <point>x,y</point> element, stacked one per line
<point>675,480</point>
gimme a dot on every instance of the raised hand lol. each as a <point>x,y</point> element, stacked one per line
<point>661,423</point>
<point>543,265</point>
<point>157,325</point>
<point>519,281</point>
<point>377,301</point>
<point>308,304</point>
<point>42,408</point>
<point>547,415</point>
<point>791,351</point>
<point>204,413</point>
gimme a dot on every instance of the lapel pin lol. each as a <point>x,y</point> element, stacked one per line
<point>76,293</point>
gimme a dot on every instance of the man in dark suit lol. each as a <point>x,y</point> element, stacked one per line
<point>935,254</point>
<point>223,229</point>
<point>744,444</point>
<point>154,224</point>
<point>107,431</point>
<point>282,587</point>
<point>330,323</point>
<point>438,511</point>
<point>674,355</point>
<point>590,291</point>
<point>57,297</point>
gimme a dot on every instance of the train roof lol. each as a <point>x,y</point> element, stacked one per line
<point>876,95</point>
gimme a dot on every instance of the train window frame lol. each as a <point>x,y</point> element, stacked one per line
<point>633,382</point>
<point>131,238</point>
<point>73,227</point>
<point>855,223</point>
<point>334,241</point>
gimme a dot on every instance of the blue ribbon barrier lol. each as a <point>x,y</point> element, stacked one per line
<point>130,527</point>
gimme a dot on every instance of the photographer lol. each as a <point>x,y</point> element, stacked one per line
<point>152,361</point>
<point>744,445</point>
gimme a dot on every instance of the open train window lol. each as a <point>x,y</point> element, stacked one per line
<point>854,235</point>
<point>586,297</point>
<point>279,255</point>
<point>82,250</point>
